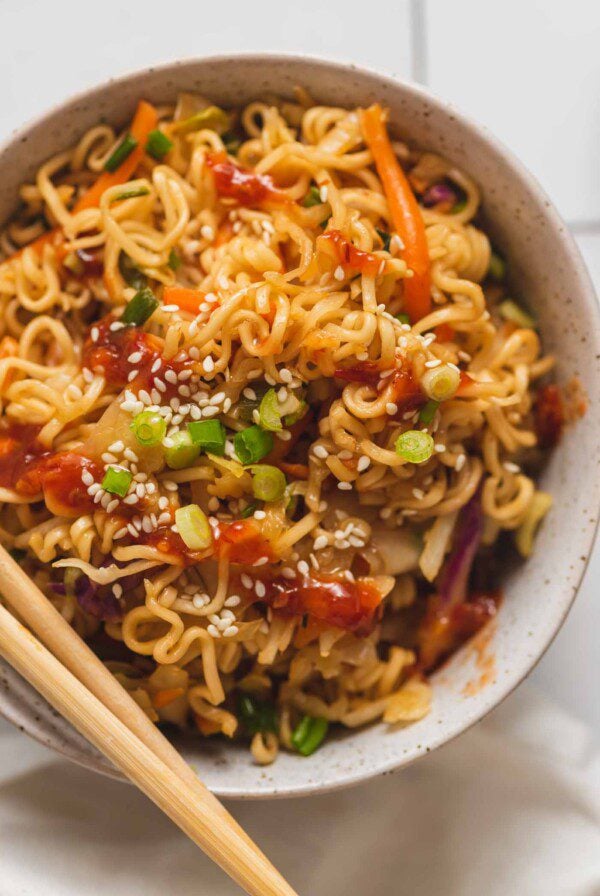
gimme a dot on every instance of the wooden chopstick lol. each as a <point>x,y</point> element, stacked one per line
<point>148,759</point>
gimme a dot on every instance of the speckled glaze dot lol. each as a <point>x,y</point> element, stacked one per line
<point>547,269</point>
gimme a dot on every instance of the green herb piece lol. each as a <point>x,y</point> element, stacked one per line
<point>385,238</point>
<point>497,268</point>
<point>459,206</point>
<point>182,452</point>
<point>256,715</point>
<point>509,310</point>
<point>415,446</point>
<point>174,261</point>
<point>403,318</point>
<point>124,149</point>
<point>313,197</point>
<point>309,734</point>
<point>252,444</point>
<point>130,273</point>
<point>249,510</point>
<point>209,435</point>
<point>212,117</point>
<point>440,383</point>
<point>132,193</point>
<point>231,143</point>
<point>117,481</point>
<point>158,145</point>
<point>427,412</point>
<point>194,528</point>
<point>270,415</point>
<point>268,483</point>
<point>149,428</point>
<point>140,308</point>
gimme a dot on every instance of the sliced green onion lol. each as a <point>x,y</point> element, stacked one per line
<point>133,193</point>
<point>385,238</point>
<point>509,310</point>
<point>252,444</point>
<point>313,197</point>
<point>174,261</point>
<point>124,149</point>
<point>270,415</point>
<point>427,412</point>
<point>149,428</point>
<point>231,143</point>
<point>441,382</point>
<point>194,528</point>
<point>209,435</point>
<point>140,307</point>
<point>117,481</point>
<point>290,419</point>
<point>403,317</point>
<point>309,734</point>
<point>459,206</point>
<point>497,268</point>
<point>158,144</point>
<point>256,715</point>
<point>415,446</point>
<point>249,510</point>
<point>268,483</point>
<point>182,452</point>
<point>130,273</point>
<point>74,264</point>
<point>212,117</point>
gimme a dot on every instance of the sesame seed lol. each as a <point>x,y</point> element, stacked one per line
<point>259,588</point>
<point>435,362</point>
<point>302,567</point>
<point>130,499</point>
<point>259,515</point>
<point>94,488</point>
<point>344,454</point>
<point>87,375</point>
<point>116,325</point>
<point>391,408</point>
<point>109,458</point>
<point>255,416</point>
<point>95,333</point>
<point>323,505</point>
<point>170,376</point>
<point>208,364</point>
<point>320,451</point>
<point>132,530</point>
<point>282,395</point>
<point>120,533</point>
<point>112,505</point>
<point>213,631</point>
<point>230,631</point>
<point>87,478</point>
<point>218,398</point>
<point>261,561</point>
<point>509,466</point>
<point>323,193</point>
<point>249,393</point>
<point>440,448</point>
<point>418,494</point>
<point>320,542</point>
<point>339,273</point>
<point>288,573</point>
<point>135,357</point>
<point>460,462</point>
<point>117,446</point>
<point>184,375</point>
<point>131,455</point>
<point>233,601</point>
<point>144,397</point>
<point>285,375</point>
<point>385,513</point>
<point>206,232</point>
<point>363,463</point>
<point>162,387</point>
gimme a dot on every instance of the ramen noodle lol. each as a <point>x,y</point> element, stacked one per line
<point>266,403</point>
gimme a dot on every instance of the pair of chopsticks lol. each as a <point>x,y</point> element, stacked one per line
<point>77,684</point>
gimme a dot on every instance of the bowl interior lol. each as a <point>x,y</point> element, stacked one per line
<point>547,272</point>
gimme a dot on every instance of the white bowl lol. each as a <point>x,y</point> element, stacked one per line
<point>549,272</point>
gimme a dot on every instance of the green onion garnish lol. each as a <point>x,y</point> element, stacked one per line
<point>403,318</point>
<point>268,483</point>
<point>252,444</point>
<point>309,734</point>
<point>117,481</point>
<point>124,149</point>
<point>427,412</point>
<point>509,310</point>
<point>130,273</point>
<point>209,435</point>
<point>149,428</point>
<point>212,117</point>
<point>174,261</point>
<point>133,193</point>
<point>194,528</point>
<point>182,453</point>
<point>497,268</point>
<point>385,238</point>
<point>140,308</point>
<point>249,510</point>
<point>313,197</point>
<point>256,715</point>
<point>415,446</point>
<point>441,382</point>
<point>270,416</point>
<point>158,145</point>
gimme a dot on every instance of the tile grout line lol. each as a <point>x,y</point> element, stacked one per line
<point>418,33</point>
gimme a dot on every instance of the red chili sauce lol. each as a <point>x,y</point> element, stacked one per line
<point>348,255</point>
<point>443,630</point>
<point>549,416</point>
<point>240,540</point>
<point>405,391</point>
<point>246,187</point>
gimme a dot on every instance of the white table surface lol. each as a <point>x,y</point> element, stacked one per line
<point>529,69</point>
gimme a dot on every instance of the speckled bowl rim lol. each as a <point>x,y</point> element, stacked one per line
<point>585,297</point>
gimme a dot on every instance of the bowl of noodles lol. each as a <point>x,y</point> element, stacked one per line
<point>294,367</point>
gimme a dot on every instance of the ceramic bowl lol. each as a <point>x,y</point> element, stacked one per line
<point>547,269</point>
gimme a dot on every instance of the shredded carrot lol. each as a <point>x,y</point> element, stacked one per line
<point>404,210</point>
<point>144,121</point>
<point>297,471</point>
<point>206,726</point>
<point>163,698</point>
<point>186,299</point>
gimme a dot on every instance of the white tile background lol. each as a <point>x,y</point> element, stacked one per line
<point>529,69</point>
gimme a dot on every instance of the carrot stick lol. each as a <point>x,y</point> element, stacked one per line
<point>185,298</point>
<point>168,695</point>
<point>405,212</point>
<point>297,471</point>
<point>144,121</point>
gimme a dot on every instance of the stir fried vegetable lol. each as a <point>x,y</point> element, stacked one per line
<point>309,734</point>
<point>414,446</point>
<point>194,528</point>
<point>141,307</point>
<point>252,444</point>
<point>117,481</point>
